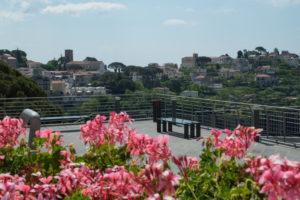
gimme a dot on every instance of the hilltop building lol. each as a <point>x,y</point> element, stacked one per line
<point>10,60</point>
<point>241,64</point>
<point>59,87</point>
<point>68,55</point>
<point>265,80</point>
<point>222,60</point>
<point>83,78</point>
<point>170,71</point>
<point>188,62</point>
<point>229,73</point>
<point>32,64</point>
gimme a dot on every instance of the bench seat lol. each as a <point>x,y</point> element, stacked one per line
<point>187,123</point>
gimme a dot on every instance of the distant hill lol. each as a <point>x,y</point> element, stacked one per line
<point>14,84</point>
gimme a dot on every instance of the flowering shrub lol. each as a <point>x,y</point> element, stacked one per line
<point>123,164</point>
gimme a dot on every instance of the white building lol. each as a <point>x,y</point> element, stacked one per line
<point>190,93</point>
<point>10,60</point>
<point>79,91</point>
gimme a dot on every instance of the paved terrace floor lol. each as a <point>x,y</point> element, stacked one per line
<point>179,145</point>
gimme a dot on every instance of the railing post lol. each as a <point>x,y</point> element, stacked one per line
<point>173,99</point>
<point>156,103</point>
<point>267,122</point>
<point>32,117</point>
<point>283,125</point>
<point>255,120</point>
<point>213,119</point>
<point>255,117</point>
<point>158,108</point>
<point>117,104</point>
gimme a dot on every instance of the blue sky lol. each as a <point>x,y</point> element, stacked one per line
<point>137,32</point>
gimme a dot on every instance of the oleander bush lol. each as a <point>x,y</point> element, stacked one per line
<point>123,164</point>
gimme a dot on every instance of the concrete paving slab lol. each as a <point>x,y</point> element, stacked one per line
<point>179,145</point>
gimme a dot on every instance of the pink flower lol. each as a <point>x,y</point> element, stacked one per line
<point>10,130</point>
<point>237,142</point>
<point>278,177</point>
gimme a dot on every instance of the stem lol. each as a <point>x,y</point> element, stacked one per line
<point>192,191</point>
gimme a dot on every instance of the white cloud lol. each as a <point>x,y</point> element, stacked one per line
<point>174,22</point>
<point>283,3</point>
<point>190,10</point>
<point>12,16</point>
<point>79,8</point>
<point>25,5</point>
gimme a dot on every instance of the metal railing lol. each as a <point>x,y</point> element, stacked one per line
<point>137,106</point>
<point>279,124</point>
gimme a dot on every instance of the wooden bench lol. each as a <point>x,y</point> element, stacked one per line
<point>187,123</point>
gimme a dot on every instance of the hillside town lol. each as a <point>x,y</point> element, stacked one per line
<point>66,76</point>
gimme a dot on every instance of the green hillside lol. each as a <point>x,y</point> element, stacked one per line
<point>14,84</point>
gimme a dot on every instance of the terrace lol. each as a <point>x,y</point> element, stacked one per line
<point>281,125</point>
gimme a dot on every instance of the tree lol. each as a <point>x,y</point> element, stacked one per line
<point>239,54</point>
<point>14,84</point>
<point>53,64</point>
<point>90,59</point>
<point>203,60</point>
<point>116,66</point>
<point>48,67</point>
<point>21,57</point>
<point>276,51</point>
<point>260,49</point>
<point>175,85</point>
<point>61,63</point>
<point>116,83</point>
<point>245,53</point>
<point>139,85</point>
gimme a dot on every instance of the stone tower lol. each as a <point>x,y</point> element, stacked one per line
<point>69,55</point>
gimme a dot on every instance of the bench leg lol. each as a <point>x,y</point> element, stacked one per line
<point>198,130</point>
<point>186,131</point>
<point>164,126</point>
<point>192,131</point>
<point>158,125</point>
<point>170,126</point>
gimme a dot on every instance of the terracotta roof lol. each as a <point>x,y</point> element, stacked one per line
<point>200,76</point>
<point>59,72</point>
<point>263,75</point>
<point>266,67</point>
<point>82,62</point>
<point>225,57</point>
<point>58,81</point>
<point>187,59</point>
<point>84,73</point>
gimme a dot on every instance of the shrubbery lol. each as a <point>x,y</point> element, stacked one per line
<point>123,164</point>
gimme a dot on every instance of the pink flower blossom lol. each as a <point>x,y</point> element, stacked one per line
<point>10,130</point>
